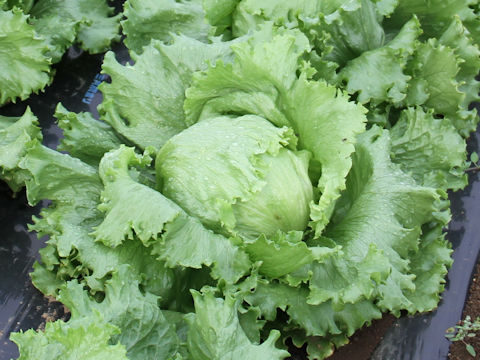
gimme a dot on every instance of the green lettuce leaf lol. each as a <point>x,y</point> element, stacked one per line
<point>85,138</point>
<point>160,20</point>
<point>88,339</point>
<point>123,248</point>
<point>144,330</point>
<point>16,134</point>
<point>249,180</point>
<point>58,32</point>
<point>386,7</point>
<point>215,332</point>
<point>144,102</point>
<point>322,320</point>
<point>25,5</point>
<point>429,149</point>
<point>460,40</point>
<point>375,184</point>
<point>434,15</point>
<point>378,75</point>
<point>281,254</point>
<point>441,77</point>
<point>352,32</point>
<point>25,66</point>
<point>96,28</point>
<point>74,188</point>
<point>332,123</point>
<point>434,69</point>
<point>322,118</point>
<point>219,14</point>
<point>291,14</point>
<point>430,264</point>
<point>176,238</point>
<point>249,85</point>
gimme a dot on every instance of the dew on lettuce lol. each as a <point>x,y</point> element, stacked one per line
<point>238,175</point>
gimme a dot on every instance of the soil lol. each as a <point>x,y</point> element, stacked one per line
<point>363,342</point>
<point>472,308</point>
<point>55,310</point>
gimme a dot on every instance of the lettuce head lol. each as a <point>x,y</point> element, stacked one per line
<point>238,175</point>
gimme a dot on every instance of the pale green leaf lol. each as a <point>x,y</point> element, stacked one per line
<point>378,75</point>
<point>280,254</point>
<point>247,180</point>
<point>96,28</point>
<point>84,137</point>
<point>215,332</point>
<point>25,66</point>
<point>16,135</point>
<point>160,20</point>
<point>87,339</point>
<point>59,34</point>
<point>313,109</point>
<point>144,331</point>
<point>429,149</point>
<point>176,238</point>
<point>144,102</point>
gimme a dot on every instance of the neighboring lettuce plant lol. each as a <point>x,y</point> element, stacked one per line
<point>35,34</point>
<point>263,172</point>
<point>23,57</point>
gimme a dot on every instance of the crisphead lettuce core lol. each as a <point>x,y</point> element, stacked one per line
<point>238,175</point>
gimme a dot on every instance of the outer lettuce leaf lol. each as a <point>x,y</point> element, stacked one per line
<point>317,347</point>
<point>429,149</point>
<point>375,186</point>
<point>434,69</point>
<point>331,125</point>
<point>459,39</point>
<point>16,133</point>
<point>44,163</point>
<point>88,339</point>
<point>25,5</point>
<point>430,265</point>
<point>352,32</point>
<point>386,7</point>
<point>85,138</point>
<point>74,188</point>
<point>378,75</point>
<point>144,102</point>
<point>144,331</point>
<point>183,240</point>
<point>281,254</point>
<point>291,14</point>
<point>322,326</point>
<point>215,332</point>
<point>219,14</point>
<point>59,33</point>
<point>336,29</point>
<point>151,19</point>
<point>249,85</point>
<point>322,118</point>
<point>473,24</point>
<point>25,67</point>
<point>139,324</point>
<point>96,28</point>
<point>434,15</point>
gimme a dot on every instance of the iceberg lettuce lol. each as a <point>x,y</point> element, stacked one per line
<point>261,172</point>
